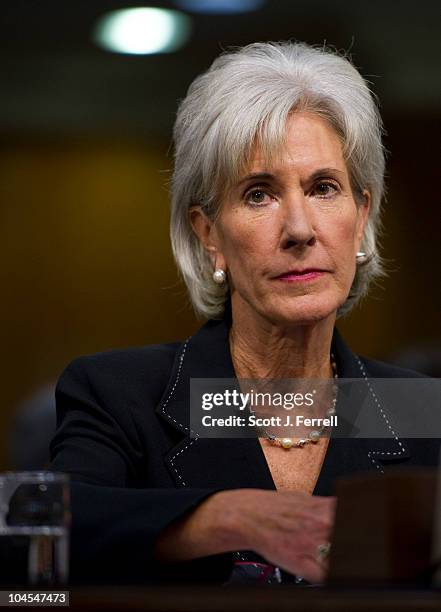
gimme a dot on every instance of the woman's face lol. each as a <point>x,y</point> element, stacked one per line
<point>288,234</point>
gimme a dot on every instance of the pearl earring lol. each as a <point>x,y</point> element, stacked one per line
<point>361,257</point>
<point>219,276</point>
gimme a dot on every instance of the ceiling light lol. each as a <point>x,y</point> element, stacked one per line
<point>142,31</point>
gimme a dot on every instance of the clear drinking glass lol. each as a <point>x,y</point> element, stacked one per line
<point>34,528</point>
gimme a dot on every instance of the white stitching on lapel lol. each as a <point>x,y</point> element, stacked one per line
<point>181,361</point>
<point>377,402</point>
<point>179,453</point>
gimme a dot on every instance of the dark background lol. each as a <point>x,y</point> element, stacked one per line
<point>85,159</point>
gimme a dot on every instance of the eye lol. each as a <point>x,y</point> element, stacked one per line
<point>257,197</point>
<point>325,189</point>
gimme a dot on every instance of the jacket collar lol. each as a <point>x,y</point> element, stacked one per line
<point>233,463</point>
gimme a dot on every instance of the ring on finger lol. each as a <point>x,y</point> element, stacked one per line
<point>323,551</point>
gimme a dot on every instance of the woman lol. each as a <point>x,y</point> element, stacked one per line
<point>276,201</point>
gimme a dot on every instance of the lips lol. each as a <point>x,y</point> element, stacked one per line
<point>300,273</point>
<point>301,276</point>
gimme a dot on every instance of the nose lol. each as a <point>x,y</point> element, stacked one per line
<point>298,228</point>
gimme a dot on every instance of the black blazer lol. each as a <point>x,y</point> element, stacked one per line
<point>123,436</point>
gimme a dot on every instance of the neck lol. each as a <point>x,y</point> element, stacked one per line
<point>261,349</point>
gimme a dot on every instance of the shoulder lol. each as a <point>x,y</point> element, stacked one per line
<point>129,359</point>
<point>380,369</point>
<point>145,370</point>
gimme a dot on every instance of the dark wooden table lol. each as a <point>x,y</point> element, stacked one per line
<point>257,599</point>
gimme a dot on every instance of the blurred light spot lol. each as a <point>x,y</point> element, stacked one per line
<point>142,31</point>
<point>220,6</point>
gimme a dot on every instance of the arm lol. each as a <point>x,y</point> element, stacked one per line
<point>115,525</point>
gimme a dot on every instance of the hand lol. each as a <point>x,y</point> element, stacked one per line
<point>286,528</point>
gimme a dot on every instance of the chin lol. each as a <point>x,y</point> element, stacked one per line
<point>306,310</point>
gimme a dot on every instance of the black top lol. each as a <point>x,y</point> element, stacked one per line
<point>123,436</point>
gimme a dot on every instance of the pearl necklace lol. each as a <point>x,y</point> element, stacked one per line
<point>315,434</point>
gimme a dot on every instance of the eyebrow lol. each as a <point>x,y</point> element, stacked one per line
<point>325,171</point>
<point>256,176</point>
<point>268,176</point>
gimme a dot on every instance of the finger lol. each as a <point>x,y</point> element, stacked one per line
<point>310,570</point>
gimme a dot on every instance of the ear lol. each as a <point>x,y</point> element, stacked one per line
<point>205,229</point>
<point>363,210</point>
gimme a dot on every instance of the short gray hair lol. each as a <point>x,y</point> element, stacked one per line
<point>246,96</point>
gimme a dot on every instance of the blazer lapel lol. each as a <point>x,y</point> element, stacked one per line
<point>349,455</point>
<point>198,462</point>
